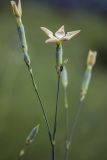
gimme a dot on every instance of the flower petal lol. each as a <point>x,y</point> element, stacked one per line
<point>15,9</point>
<point>69,35</point>
<point>20,7</point>
<point>52,40</point>
<point>91,59</point>
<point>47,32</point>
<point>60,33</point>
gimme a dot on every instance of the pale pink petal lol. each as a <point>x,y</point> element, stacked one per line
<point>64,39</point>
<point>20,7</point>
<point>60,33</point>
<point>69,35</point>
<point>47,32</point>
<point>15,9</point>
<point>91,59</point>
<point>13,3</point>
<point>52,40</point>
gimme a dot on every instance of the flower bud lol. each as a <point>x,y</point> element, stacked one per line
<point>22,37</point>
<point>17,9</point>
<point>91,59</point>
<point>32,135</point>
<point>85,83</point>
<point>64,77</point>
<point>22,152</point>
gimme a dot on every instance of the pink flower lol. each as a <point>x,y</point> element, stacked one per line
<point>59,36</point>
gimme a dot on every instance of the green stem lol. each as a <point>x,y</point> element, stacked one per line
<point>72,131</point>
<point>66,123</point>
<point>22,36</point>
<point>53,151</point>
<point>42,107</point>
<point>75,121</point>
<point>56,116</point>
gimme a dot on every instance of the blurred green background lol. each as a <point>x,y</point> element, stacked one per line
<point>20,111</point>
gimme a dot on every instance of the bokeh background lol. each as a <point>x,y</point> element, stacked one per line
<point>20,111</point>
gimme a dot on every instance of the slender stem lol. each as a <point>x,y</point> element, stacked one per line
<point>56,116</point>
<point>66,154</point>
<point>66,123</point>
<point>74,123</point>
<point>56,110</point>
<point>66,115</point>
<point>22,36</point>
<point>53,152</point>
<point>42,107</point>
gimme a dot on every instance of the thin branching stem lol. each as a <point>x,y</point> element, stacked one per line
<point>56,115</point>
